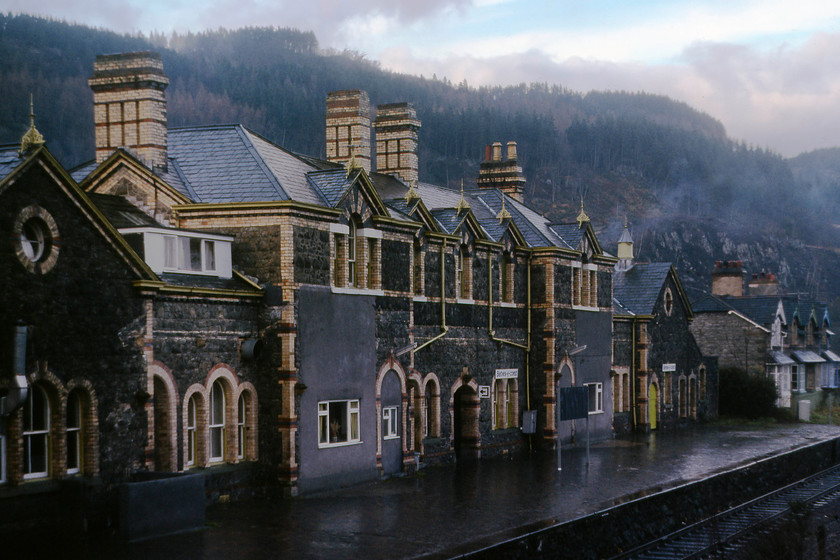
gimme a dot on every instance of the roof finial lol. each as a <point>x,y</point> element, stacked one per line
<point>582,217</point>
<point>352,164</point>
<point>503,213</point>
<point>462,204</point>
<point>412,193</point>
<point>32,138</point>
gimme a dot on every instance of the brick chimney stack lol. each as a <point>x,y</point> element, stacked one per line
<point>396,128</point>
<point>348,127</point>
<point>727,279</point>
<point>764,284</point>
<point>504,175</point>
<point>129,106</point>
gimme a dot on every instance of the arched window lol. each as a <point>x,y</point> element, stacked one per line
<point>462,274</point>
<point>217,422</point>
<point>36,434</point>
<point>192,413</point>
<point>418,269</point>
<point>74,433</point>
<point>240,427</point>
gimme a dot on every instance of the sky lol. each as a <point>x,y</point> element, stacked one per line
<point>769,70</point>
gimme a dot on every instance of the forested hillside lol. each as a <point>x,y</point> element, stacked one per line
<point>691,194</point>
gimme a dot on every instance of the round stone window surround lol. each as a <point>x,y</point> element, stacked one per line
<point>36,239</point>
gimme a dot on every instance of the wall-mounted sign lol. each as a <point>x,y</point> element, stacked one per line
<point>484,391</point>
<point>669,367</point>
<point>507,373</point>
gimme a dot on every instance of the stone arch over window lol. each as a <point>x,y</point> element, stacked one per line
<point>431,392</point>
<point>162,414</point>
<point>222,415</point>
<point>565,370</point>
<point>80,393</point>
<point>246,423</point>
<point>194,418</point>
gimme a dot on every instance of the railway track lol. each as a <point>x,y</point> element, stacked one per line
<point>724,531</point>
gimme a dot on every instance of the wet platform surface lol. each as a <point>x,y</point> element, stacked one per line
<point>449,510</point>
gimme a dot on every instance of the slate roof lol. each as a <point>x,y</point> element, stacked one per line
<point>330,184</point>
<point>120,212</point>
<point>9,160</point>
<point>762,309</point>
<point>229,163</point>
<point>638,288</point>
<point>206,281</point>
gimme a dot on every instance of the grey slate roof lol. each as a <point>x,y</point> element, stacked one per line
<point>230,163</point>
<point>120,212</point>
<point>638,288</point>
<point>9,160</point>
<point>330,184</point>
<point>205,281</point>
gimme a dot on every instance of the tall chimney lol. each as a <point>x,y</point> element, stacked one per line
<point>504,175</point>
<point>129,106</point>
<point>727,279</point>
<point>348,127</point>
<point>396,128</point>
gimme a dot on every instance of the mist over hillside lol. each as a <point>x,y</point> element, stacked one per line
<point>691,194</point>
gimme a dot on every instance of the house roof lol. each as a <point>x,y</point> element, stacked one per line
<point>229,163</point>
<point>762,309</point>
<point>637,289</point>
<point>9,159</point>
<point>781,359</point>
<point>806,357</point>
<point>120,212</point>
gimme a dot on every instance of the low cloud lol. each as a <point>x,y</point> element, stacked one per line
<point>784,99</point>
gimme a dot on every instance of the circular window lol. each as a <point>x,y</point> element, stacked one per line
<point>669,302</point>
<point>36,237</point>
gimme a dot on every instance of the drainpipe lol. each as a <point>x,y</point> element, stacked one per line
<point>20,387</point>
<point>633,368</point>
<point>443,327</point>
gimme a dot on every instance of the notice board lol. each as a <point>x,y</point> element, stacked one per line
<point>574,403</point>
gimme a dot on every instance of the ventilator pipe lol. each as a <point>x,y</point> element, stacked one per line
<point>20,387</point>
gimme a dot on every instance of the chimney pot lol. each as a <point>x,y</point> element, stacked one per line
<point>497,151</point>
<point>511,151</point>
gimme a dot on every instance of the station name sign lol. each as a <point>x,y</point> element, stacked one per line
<point>669,367</point>
<point>507,373</point>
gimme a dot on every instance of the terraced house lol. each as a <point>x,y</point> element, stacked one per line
<point>287,321</point>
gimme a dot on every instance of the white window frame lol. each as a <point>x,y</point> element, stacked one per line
<point>74,433</point>
<point>350,417</point>
<point>192,414</point>
<point>31,434</point>
<point>599,397</point>
<point>215,424</point>
<point>178,252</point>
<point>390,423</point>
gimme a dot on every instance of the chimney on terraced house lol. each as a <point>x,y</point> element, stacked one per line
<point>727,279</point>
<point>396,128</point>
<point>505,175</point>
<point>764,284</point>
<point>348,128</point>
<point>129,106</point>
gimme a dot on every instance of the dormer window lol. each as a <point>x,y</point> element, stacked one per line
<point>189,254</point>
<point>180,251</point>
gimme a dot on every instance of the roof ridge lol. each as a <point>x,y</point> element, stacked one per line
<point>255,153</point>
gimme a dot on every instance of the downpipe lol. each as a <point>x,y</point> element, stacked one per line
<point>19,389</point>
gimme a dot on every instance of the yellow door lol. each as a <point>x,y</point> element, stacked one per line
<point>652,406</point>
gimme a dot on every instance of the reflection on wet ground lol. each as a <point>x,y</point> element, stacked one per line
<point>450,509</point>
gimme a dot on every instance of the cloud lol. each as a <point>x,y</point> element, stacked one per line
<point>785,99</point>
